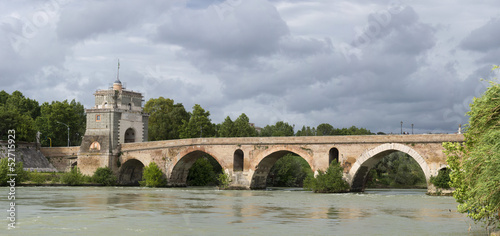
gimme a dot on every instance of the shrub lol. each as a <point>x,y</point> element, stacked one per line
<point>202,173</point>
<point>37,178</point>
<point>73,177</point>
<point>330,181</point>
<point>5,169</point>
<point>152,176</point>
<point>224,180</point>
<point>442,180</point>
<point>104,176</point>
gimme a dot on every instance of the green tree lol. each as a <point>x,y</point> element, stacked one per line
<point>18,113</point>
<point>442,180</point>
<point>242,127</point>
<point>71,113</point>
<point>325,129</point>
<point>203,172</point>
<point>306,131</point>
<point>281,128</point>
<point>104,176</point>
<point>165,118</point>
<point>397,169</point>
<point>330,181</point>
<point>152,176</point>
<point>475,165</point>
<point>199,124</point>
<point>289,171</point>
<point>226,129</point>
<point>5,169</point>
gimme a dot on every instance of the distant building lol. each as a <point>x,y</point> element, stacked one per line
<point>116,118</point>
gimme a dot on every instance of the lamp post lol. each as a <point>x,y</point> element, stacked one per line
<point>411,128</point>
<point>66,126</point>
<point>401,127</point>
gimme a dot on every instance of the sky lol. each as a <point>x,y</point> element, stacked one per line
<point>370,64</point>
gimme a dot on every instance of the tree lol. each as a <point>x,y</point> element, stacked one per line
<point>165,118</point>
<point>397,169</point>
<point>442,180</point>
<point>72,114</point>
<point>242,127</point>
<point>306,131</point>
<point>18,113</point>
<point>330,181</point>
<point>226,129</point>
<point>279,129</point>
<point>199,124</point>
<point>325,129</point>
<point>203,172</point>
<point>475,165</point>
<point>152,176</point>
<point>104,176</point>
<point>289,171</point>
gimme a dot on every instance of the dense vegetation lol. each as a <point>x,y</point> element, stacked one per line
<point>289,171</point>
<point>475,165</point>
<point>442,180</point>
<point>152,176</point>
<point>396,170</point>
<point>329,181</point>
<point>204,172</point>
<point>27,117</point>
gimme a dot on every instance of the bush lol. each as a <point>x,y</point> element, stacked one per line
<point>104,176</point>
<point>152,176</point>
<point>330,181</point>
<point>224,180</point>
<point>289,171</point>
<point>202,173</point>
<point>442,180</point>
<point>37,178</point>
<point>5,169</point>
<point>73,177</point>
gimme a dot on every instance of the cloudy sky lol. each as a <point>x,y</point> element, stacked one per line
<point>366,63</point>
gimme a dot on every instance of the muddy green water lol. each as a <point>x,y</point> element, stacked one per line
<point>195,211</point>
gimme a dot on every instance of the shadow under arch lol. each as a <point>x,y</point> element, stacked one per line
<point>130,172</point>
<point>359,171</point>
<point>259,178</point>
<point>180,172</point>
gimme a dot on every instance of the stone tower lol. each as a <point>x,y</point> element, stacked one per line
<point>116,118</point>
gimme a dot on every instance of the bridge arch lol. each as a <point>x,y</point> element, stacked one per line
<point>130,172</point>
<point>180,171</point>
<point>269,158</point>
<point>368,159</point>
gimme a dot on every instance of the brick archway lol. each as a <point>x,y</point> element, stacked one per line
<point>359,171</point>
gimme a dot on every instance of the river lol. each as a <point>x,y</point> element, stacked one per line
<point>207,211</point>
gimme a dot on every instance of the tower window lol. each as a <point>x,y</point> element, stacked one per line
<point>130,106</point>
<point>97,118</point>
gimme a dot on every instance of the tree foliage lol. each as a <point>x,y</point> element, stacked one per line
<point>281,128</point>
<point>289,171</point>
<point>165,118</point>
<point>73,177</point>
<point>204,172</point>
<point>5,169</point>
<point>330,181</point>
<point>152,176</point>
<point>198,125</point>
<point>397,169</point>
<point>475,165</point>
<point>70,113</point>
<point>18,113</point>
<point>442,180</point>
<point>104,176</point>
<point>239,128</point>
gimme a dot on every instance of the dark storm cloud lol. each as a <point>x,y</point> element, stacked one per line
<point>484,38</point>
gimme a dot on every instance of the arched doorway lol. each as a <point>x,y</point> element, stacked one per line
<point>358,174</point>
<point>131,172</point>
<point>130,135</point>
<point>238,160</point>
<point>333,156</point>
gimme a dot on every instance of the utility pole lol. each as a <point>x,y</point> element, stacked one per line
<point>411,128</point>
<point>401,127</point>
<point>66,126</point>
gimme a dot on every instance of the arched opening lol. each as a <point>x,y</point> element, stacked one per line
<point>333,155</point>
<point>281,168</point>
<point>129,106</point>
<point>196,168</point>
<point>95,146</point>
<point>129,135</point>
<point>131,172</point>
<point>238,160</point>
<point>360,172</point>
<point>74,164</point>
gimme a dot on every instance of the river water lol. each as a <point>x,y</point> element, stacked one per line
<point>207,211</point>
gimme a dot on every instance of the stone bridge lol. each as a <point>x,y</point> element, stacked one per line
<point>249,160</point>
